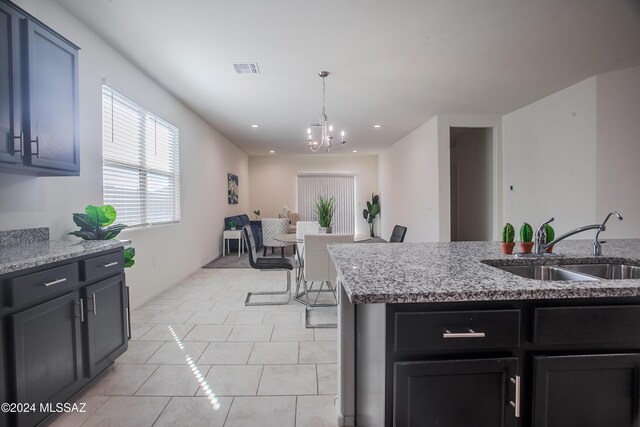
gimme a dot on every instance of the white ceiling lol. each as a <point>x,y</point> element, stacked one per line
<point>397,63</point>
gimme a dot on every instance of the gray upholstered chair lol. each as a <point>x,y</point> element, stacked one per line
<point>272,227</point>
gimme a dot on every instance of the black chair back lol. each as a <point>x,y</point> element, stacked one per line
<point>251,245</point>
<point>398,233</point>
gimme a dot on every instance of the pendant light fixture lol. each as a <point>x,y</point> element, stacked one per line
<point>326,130</point>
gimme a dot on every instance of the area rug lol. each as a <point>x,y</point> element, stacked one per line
<point>232,260</point>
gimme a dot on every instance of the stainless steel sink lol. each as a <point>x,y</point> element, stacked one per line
<point>545,272</point>
<point>606,271</point>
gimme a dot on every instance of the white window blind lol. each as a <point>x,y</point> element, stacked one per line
<point>141,177</point>
<point>341,187</point>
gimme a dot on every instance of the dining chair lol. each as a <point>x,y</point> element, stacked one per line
<point>318,269</point>
<point>398,233</point>
<point>272,227</point>
<point>266,264</point>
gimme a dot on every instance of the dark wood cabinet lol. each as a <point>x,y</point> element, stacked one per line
<point>538,363</point>
<point>10,86</point>
<point>596,390</point>
<point>455,393</point>
<point>47,354</point>
<point>39,97</point>
<point>106,320</point>
<point>61,325</point>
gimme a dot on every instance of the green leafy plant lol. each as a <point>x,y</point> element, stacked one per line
<point>97,223</point>
<point>324,209</point>
<point>233,223</point>
<point>372,210</point>
<point>549,232</point>
<point>526,232</point>
<point>508,233</point>
<point>256,213</point>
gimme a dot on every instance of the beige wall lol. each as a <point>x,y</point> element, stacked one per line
<point>273,180</point>
<point>618,150</point>
<point>550,159</point>
<point>409,184</point>
<point>164,253</point>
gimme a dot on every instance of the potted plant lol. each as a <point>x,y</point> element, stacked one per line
<point>97,223</point>
<point>506,244</point>
<point>257,214</point>
<point>373,209</point>
<point>324,209</point>
<point>551,234</point>
<point>233,223</point>
<point>526,235</point>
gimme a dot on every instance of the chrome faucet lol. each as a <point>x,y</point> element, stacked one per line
<point>540,244</point>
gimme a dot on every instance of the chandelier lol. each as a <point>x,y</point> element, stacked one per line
<point>326,130</point>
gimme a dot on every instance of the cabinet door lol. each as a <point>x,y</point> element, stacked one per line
<point>455,393</point>
<point>52,100</point>
<point>10,102</point>
<point>588,390</point>
<point>48,362</point>
<point>106,322</point>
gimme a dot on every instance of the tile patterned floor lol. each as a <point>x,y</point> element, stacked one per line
<point>198,357</point>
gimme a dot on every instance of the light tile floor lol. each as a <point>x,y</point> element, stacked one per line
<point>199,357</point>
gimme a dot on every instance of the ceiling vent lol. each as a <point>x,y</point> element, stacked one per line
<point>245,67</point>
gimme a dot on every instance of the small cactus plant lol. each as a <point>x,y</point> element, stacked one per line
<point>549,232</point>
<point>526,232</point>
<point>508,233</point>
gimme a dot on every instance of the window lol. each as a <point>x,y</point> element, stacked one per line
<point>141,177</point>
<point>339,186</point>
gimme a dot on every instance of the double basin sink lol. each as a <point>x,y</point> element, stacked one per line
<point>582,272</point>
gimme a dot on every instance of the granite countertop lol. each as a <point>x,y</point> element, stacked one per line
<point>22,249</point>
<point>449,272</point>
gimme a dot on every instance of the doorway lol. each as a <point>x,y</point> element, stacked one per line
<point>472,191</point>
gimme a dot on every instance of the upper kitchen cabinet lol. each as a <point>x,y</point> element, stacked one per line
<point>10,93</point>
<point>38,116</point>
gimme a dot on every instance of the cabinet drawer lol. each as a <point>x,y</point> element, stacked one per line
<point>31,287</point>
<point>587,325</point>
<point>457,330</point>
<point>102,266</point>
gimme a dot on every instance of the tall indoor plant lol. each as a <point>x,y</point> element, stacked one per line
<point>370,213</point>
<point>97,223</point>
<point>324,209</point>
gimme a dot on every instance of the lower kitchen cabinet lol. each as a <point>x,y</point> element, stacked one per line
<point>596,390</point>
<point>48,354</point>
<point>106,321</point>
<point>455,393</point>
<point>537,363</point>
<point>61,325</point>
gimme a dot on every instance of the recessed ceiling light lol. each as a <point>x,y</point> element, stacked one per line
<point>255,126</point>
<point>377,126</point>
<point>355,151</point>
<point>272,151</point>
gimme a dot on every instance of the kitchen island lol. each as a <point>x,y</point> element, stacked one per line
<point>436,334</point>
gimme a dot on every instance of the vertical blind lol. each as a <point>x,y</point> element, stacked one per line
<point>141,177</point>
<point>341,187</point>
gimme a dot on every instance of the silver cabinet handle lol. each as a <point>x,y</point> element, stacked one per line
<point>55,282</point>
<point>37,141</point>
<point>21,149</point>
<point>470,334</point>
<point>111,264</point>
<point>516,404</point>
<point>95,311</point>
<point>81,310</point>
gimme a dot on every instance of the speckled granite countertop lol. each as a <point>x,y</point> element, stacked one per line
<point>449,272</point>
<point>38,250</point>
